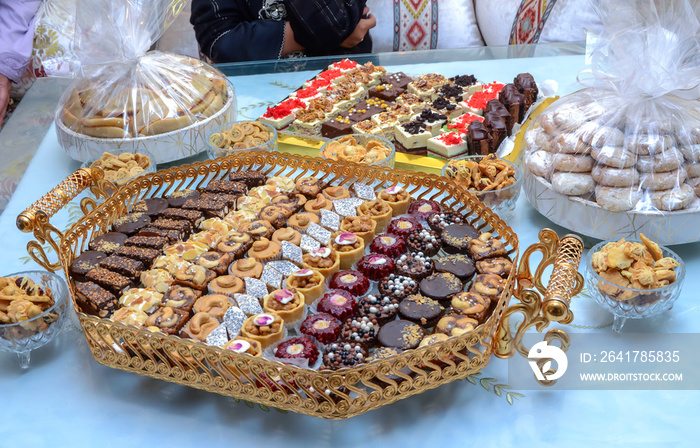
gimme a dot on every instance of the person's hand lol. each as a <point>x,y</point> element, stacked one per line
<point>5,85</point>
<point>360,31</point>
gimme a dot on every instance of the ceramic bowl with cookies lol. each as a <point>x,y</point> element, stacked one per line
<point>167,105</point>
<point>634,278</point>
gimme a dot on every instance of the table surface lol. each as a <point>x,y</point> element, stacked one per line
<point>66,399</point>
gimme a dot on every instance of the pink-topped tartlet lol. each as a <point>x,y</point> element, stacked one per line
<point>287,303</point>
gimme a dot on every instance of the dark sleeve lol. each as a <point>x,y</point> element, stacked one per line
<point>320,26</point>
<point>228,32</point>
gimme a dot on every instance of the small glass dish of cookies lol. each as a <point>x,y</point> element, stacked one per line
<point>622,278</point>
<point>360,148</point>
<point>240,136</point>
<point>123,165</point>
<point>33,308</point>
<point>494,181</point>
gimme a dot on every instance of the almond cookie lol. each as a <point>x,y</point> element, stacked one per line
<point>674,199</point>
<point>668,160</point>
<point>617,199</point>
<point>663,181</point>
<point>569,144</point>
<point>540,163</point>
<point>614,156</point>
<point>645,144</point>
<point>598,135</point>
<point>615,177</point>
<point>572,163</point>
<point>572,184</point>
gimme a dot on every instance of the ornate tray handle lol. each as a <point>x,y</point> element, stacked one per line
<point>539,305</point>
<point>36,217</point>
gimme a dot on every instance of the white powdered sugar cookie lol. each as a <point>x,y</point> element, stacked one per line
<point>569,144</point>
<point>690,152</point>
<point>617,199</point>
<point>571,116</point>
<point>572,184</point>
<point>614,156</point>
<point>540,163</point>
<point>572,163</point>
<point>645,144</point>
<point>598,135</point>
<point>693,169</point>
<point>663,180</point>
<point>695,184</point>
<point>615,177</point>
<point>547,123</point>
<point>674,199</point>
<point>668,160</point>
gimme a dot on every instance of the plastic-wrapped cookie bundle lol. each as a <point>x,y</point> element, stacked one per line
<point>630,140</point>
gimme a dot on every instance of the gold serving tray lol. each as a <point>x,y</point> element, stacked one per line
<point>327,394</point>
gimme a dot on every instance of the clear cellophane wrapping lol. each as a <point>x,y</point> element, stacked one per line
<point>630,139</point>
<point>123,90</point>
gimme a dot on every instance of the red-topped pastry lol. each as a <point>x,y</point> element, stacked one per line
<point>353,282</point>
<point>322,326</point>
<point>338,303</point>
<point>298,348</point>
<point>403,225</point>
<point>375,266</point>
<point>422,208</point>
<point>388,244</point>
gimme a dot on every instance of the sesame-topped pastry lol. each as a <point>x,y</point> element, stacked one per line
<point>287,303</point>
<point>266,328</point>
<point>378,210</point>
<point>258,229</point>
<point>310,186</point>
<point>265,250</point>
<point>214,305</point>
<point>471,304</point>
<point>235,243</point>
<point>310,282</point>
<point>287,234</point>
<point>216,261</point>
<point>388,244</point>
<point>323,259</point>
<point>244,346</point>
<point>397,197</point>
<point>199,327</point>
<point>363,226</point>
<point>376,266</point>
<point>301,221</point>
<point>320,202</point>
<point>335,193</point>
<point>227,285</point>
<point>403,225</point>
<point>353,282</point>
<point>349,247</point>
<point>246,267</point>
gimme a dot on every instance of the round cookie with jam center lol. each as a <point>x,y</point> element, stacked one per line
<point>420,309</point>
<point>298,348</point>
<point>398,286</point>
<point>441,286</point>
<point>459,265</point>
<point>401,334</point>
<point>375,266</point>
<point>403,225</point>
<point>338,303</point>
<point>422,208</point>
<point>388,244</point>
<point>322,326</point>
<point>353,282</point>
<point>456,237</point>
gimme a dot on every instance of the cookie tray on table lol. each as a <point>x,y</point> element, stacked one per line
<point>331,394</point>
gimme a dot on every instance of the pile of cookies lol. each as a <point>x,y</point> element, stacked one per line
<point>241,135</point>
<point>588,150</point>
<point>21,301</point>
<point>122,166</point>
<point>163,93</point>
<point>295,270</point>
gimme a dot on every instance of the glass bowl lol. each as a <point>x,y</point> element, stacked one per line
<point>151,168</point>
<point>23,337</point>
<point>637,303</point>
<point>364,139</point>
<point>501,201</point>
<point>215,151</point>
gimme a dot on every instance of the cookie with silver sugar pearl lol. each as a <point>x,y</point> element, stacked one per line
<point>382,308</point>
<point>415,265</point>
<point>398,286</point>
<point>424,240</point>
<point>362,329</point>
<point>438,221</point>
<point>343,354</point>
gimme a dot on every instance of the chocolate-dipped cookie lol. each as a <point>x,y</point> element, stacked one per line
<point>151,207</point>
<point>500,266</point>
<point>382,308</point>
<point>420,309</point>
<point>456,237</point>
<point>401,334</point>
<point>342,355</point>
<point>108,242</point>
<point>438,221</point>
<point>362,329</point>
<point>414,265</point>
<point>441,286</point>
<point>178,198</point>
<point>398,286</point>
<point>457,264</point>
<point>86,261</point>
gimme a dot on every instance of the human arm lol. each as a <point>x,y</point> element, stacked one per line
<point>321,26</point>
